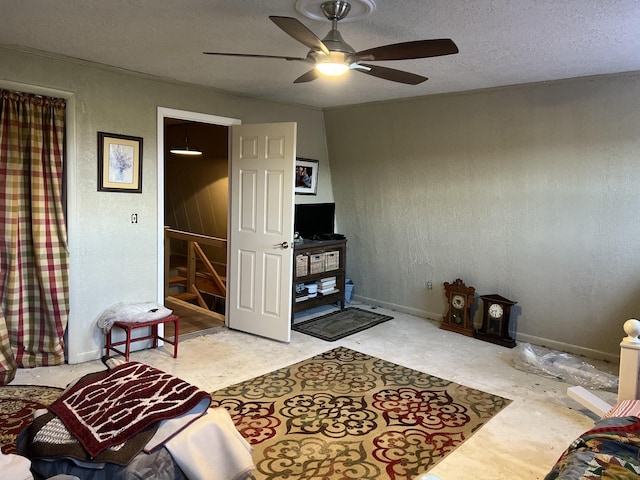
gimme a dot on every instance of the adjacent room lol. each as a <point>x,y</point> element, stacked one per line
<point>465,184</point>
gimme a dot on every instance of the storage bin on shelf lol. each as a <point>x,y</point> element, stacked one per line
<point>316,263</point>
<point>302,265</point>
<point>331,260</point>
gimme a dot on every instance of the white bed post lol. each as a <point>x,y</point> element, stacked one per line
<point>629,374</point>
<point>628,382</point>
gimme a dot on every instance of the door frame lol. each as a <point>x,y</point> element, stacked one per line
<point>163,113</point>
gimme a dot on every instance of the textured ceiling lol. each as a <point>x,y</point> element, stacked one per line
<point>501,42</point>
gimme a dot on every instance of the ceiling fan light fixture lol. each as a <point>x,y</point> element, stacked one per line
<point>332,69</point>
<point>334,65</point>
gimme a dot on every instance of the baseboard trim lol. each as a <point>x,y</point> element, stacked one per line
<point>85,357</point>
<point>520,337</point>
<point>400,308</point>
<point>567,347</point>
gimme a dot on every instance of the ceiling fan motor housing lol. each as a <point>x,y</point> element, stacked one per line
<point>335,43</point>
<point>336,10</point>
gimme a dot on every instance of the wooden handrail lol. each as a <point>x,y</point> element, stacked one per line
<point>195,237</point>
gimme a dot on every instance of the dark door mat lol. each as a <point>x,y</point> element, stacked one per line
<point>337,325</point>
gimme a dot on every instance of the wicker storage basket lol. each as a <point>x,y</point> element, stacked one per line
<point>331,260</point>
<point>316,263</point>
<point>302,265</point>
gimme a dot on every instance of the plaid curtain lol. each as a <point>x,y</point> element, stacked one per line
<point>34,261</point>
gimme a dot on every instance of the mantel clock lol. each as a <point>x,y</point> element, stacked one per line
<point>460,298</point>
<point>496,313</point>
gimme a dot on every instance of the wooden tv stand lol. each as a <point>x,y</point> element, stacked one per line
<point>312,250</point>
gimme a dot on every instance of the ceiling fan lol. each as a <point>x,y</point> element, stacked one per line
<point>333,56</point>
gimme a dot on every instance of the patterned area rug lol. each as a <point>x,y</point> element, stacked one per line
<point>17,404</point>
<point>346,415</point>
<point>340,324</point>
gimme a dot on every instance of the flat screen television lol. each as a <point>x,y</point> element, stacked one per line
<point>312,220</point>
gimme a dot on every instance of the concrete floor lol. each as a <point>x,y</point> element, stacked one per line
<point>521,442</point>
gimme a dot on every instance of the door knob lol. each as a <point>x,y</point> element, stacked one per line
<point>284,245</point>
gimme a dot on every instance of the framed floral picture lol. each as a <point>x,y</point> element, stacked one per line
<point>119,163</point>
<point>306,176</point>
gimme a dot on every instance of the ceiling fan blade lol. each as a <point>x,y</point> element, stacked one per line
<point>307,77</point>
<point>298,31</point>
<point>250,55</point>
<point>392,74</point>
<point>410,50</point>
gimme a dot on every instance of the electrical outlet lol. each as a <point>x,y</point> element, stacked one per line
<point>429,285</point>
<point>134,218</point>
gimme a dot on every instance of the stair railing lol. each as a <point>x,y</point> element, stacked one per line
<point>194,252</point>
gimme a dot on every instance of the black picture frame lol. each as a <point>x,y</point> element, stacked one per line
<point>119,163</point>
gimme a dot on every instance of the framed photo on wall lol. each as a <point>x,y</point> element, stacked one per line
<point>306,176</point>
<point>119,163</point>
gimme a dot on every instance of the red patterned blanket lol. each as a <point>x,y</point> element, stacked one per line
<point>118,404</point>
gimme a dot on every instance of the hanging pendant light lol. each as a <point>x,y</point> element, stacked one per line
<point>186,150</point>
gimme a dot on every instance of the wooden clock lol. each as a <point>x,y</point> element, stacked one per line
<point>496,314</point>
<point>458,317</point>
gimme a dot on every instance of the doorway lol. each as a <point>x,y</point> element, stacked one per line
<point>193,198</point>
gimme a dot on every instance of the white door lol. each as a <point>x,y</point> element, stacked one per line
<point>261,229</point>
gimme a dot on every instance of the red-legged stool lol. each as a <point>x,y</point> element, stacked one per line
<point>128,327</point>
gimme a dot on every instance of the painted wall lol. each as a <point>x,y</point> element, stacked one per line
<point>531,192</point>
<point>113,260</point>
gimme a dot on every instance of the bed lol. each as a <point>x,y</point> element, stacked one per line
<point>133,421</point>
<point>611,449</point>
